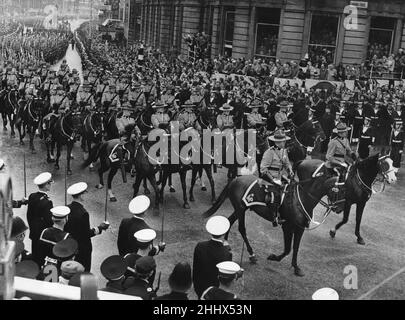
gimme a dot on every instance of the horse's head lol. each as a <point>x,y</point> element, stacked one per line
<point>74,119</point>
<point>320,183</point>
<point>386,169</point>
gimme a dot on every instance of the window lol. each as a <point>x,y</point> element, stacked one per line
<point>323,39</point>
<point>267,28</point>
<point>381,37</point>
<point>229,28</point>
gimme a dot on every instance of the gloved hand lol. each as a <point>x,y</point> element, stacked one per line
<point>103,226</point>
<point>24,201</point>
<point>162,246</point>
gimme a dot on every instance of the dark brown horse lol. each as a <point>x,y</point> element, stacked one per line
<point>114,155</point>
<point>63,130</point>
<point>297,207</point>
<point>93,130</point>
<point>28,119</point>
<point>8,108</point>
<point>359,186</point>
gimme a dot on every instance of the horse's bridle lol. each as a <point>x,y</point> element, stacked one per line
<point>384,174</point>
<point>72,137</point>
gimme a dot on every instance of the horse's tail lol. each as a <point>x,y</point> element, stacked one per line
<point>218,203</point>
<point>94,154</point>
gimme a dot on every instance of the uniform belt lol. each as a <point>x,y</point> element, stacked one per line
<point>365,137</point>
<point>338,155</point>
<point>274,168</point>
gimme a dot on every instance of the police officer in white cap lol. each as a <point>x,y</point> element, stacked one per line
<point>79,224</point>
<point>129,226</point>
<point>228,273</point>
<point>209,253</point>
<point>39,214</point>
<point>16,203</point>
<point>52,235</point>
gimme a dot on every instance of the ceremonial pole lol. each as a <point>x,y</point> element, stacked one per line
<point>66,186</point>
<point>25,178</point>
<point>106,206</point>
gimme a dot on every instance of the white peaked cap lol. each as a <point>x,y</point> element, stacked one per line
<point>139,205</point>
<point>218,225</point>
<point>43,178</point>
<point>145,235</point>
<point>77,188</point>
<point>228,267</point>
<point>60,212</point>
<point>325,294</point>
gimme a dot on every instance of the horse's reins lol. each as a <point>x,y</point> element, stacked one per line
<point>64,132</point>
<point>30,113</point>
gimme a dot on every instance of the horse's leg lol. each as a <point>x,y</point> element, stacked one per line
<point>137,184</point>
<point>193,181</point>
<point>242,231</point>
<point>208,171</point>
<point>297,240</point>
<point>183,175</point>
<point>145,186</point>
<point>32,136</point>
<point>12,123</point>
<point>69,148</point>
<point>172,189</point>
<point>346,214</point>
<point>288,236</point>
<point>359,214</point>
<point>200,177</point>
<point>4,115</point>
<point>113,172</point>
<point>152,180</point>
<point>232,219</point>
<point>20,133</point>
<point>103,168</point>
<point>58,152</point>
<point>165,175</point>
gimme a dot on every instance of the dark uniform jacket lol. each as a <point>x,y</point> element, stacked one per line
<point>365,140</point>
<point>126,240</point>
<point>397,147</point>
<point>78,226</point>
<point>207,255</point>
<point>214,293</point>
<point>173,296</point>
<point>139,288</point>
<point>39,214</point>
<point>114,287</point>
<point>48,239</point>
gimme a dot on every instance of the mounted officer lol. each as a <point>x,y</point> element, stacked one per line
<point>254,118</point>
<point>225,120</point>
<point>276,169</point>
<point>338,149</point>
<point>85,98</point>
<point>187,118</point>
<point>160,119</point>
<point>110,98</point>
<point>136,97</point>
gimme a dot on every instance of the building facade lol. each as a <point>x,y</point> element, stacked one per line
<point>283,29</point>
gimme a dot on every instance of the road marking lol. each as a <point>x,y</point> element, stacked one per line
<point>381,284</point>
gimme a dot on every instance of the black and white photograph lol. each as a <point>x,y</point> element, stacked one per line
<point>202,150</point>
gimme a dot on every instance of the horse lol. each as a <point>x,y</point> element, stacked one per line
<point>145,170</point>
<point>206,120</point>
<point>28,119</point>
<point>93,130</point>
<point>114,155</point>
<point>185,164</point>
<point>8,108</point>
<point>63,131</point>
<point>297,207</point>
<point>358,187</point>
